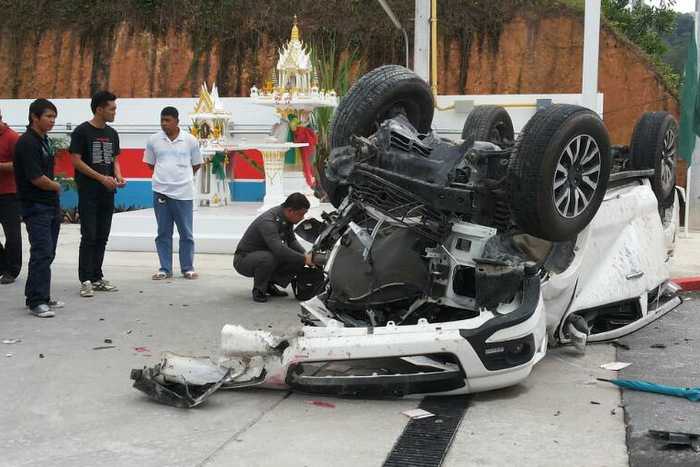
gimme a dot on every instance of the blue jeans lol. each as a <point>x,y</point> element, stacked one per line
<point>179,212</point>
<point>43,223</point>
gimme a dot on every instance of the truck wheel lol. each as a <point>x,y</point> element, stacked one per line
<point>488,123</point>
<point>653,146</point>
<point>559,171</point>
<point>379,95</point>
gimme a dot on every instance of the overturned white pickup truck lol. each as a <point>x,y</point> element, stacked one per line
<point>450,267</point>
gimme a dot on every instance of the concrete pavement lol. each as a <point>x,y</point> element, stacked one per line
<point>686,260</point>
<point>665,352</point>
<point>75,406</point>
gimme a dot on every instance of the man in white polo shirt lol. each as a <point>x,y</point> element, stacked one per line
<point>174,157</point>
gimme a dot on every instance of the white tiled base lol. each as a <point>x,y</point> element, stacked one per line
<point>216,230</point>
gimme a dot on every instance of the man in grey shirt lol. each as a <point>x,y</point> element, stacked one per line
<point>269,251</point>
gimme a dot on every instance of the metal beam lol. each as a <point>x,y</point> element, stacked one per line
<point>397,23</point>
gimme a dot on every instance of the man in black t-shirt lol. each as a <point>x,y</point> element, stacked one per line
<point>41,211</point>
<point>94,149</point>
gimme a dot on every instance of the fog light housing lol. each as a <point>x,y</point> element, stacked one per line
<point>508,354</point>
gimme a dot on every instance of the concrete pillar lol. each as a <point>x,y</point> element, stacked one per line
<point>692,217</point>
<point>421,39</point>
<point>591,41</point>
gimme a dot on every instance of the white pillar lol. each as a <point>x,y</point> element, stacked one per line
<point>421,40</point>
<point>692,212</point>
<point>591,42</point>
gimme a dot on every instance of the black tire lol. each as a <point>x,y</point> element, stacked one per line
<point>379,95</point>
<point>540,168</point>
<point>488,123</point>
<point>653,146</point>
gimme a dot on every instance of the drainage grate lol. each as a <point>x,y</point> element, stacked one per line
<point>425,441</point>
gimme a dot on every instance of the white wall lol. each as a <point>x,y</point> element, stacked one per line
<point>138,118</point>
<point>449,123</point>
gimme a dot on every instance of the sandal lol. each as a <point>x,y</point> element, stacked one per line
<point>160,275</point>
<point>191,275</point>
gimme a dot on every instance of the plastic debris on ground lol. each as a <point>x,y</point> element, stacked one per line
<point>414,414</point>
<point>615,366</point>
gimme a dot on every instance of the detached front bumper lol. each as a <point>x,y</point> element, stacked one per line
<point>491,351</point>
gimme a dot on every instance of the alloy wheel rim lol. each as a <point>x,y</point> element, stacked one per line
<point>668,160</point>
<point>576,176</point>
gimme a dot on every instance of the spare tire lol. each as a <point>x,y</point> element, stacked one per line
<point>653,146</point>
<point>558,172</point>
<point>488,123</point>
<point>379,95</point>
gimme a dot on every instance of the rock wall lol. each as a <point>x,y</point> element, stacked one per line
<point>532,54</point>
<point>544,55</point>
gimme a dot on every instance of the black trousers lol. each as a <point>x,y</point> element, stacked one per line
<point>264,268</point>
<point>43,223</point>
<point>11,252</point>
<point>96,206</point>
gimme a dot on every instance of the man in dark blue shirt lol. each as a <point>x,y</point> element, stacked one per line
<point>41,210</point>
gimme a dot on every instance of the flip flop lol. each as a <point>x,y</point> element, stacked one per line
<point>160,275</point>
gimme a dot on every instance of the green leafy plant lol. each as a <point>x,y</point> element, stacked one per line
<point>71,216</point>
<point>335,71</point>
<point>56,145</point>
<point>67,184</point>
<point>646,25</point>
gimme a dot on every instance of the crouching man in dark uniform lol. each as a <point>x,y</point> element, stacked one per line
<point>269,252</point>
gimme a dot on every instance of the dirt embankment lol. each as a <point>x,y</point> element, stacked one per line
<point>531,55</point>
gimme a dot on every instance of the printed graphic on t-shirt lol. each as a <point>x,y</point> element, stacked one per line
<point>102,151</point>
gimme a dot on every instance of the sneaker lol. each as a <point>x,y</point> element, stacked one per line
<point>86,289</point>
<point>104,286</point>
<point>259,296</point>
<point>56,304</point>
<point>273,291</point>
<point>42,311</point>
<point>6,279</point>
